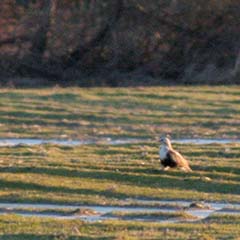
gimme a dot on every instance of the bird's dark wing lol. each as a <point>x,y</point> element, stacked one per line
<point>169,160</point>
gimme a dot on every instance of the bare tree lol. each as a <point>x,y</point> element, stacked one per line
<point>80,51</point>
<point>34,63</point>
<point>55,38</point>
<point>236,69</point>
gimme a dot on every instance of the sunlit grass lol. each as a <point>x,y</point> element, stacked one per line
<point>104,174</point>
<point>15,227</point>
<point>198,111</point>
<point>154,216</point>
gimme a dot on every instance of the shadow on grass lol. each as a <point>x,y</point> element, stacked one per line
<point>171,180</point>
<point>224,169</point>
<point>36,120</point>
<point>197,171</point>
<point>214,154</point>
<point>23,236</point>
<point>23,117</point>
<point>21,185</point>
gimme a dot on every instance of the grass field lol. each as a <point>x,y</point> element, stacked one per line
<point>104,174</point>
<point>109,174</point>
<point>122,112</point>
<point>14,227</point>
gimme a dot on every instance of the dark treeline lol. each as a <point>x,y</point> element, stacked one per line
<point>115,42</point>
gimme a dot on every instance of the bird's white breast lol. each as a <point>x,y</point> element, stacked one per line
<point>163,152</point>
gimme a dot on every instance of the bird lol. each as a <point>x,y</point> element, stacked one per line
<point>170,158</point>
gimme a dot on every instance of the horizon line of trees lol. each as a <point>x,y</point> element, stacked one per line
<point>180,40</point>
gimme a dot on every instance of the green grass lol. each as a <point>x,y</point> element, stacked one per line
<point>157,216</point>
<point>46,211</point>
<point>15,227</point>
<point>198,111</point>
<point>102,174</point>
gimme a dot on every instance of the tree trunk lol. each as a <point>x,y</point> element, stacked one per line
<point>80,51</point>
<point>39,42</point>
<point>34,64</point>
<point>236,69</point>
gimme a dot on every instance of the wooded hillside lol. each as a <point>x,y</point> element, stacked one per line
<point>173,40</point>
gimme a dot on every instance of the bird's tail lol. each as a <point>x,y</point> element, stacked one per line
<point>189,169</point>
<point>186,168</point>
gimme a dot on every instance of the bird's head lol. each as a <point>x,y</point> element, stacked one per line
<point>165,141</point>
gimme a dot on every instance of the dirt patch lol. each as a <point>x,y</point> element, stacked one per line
<point>199,205</point>
<point>84,211</point>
